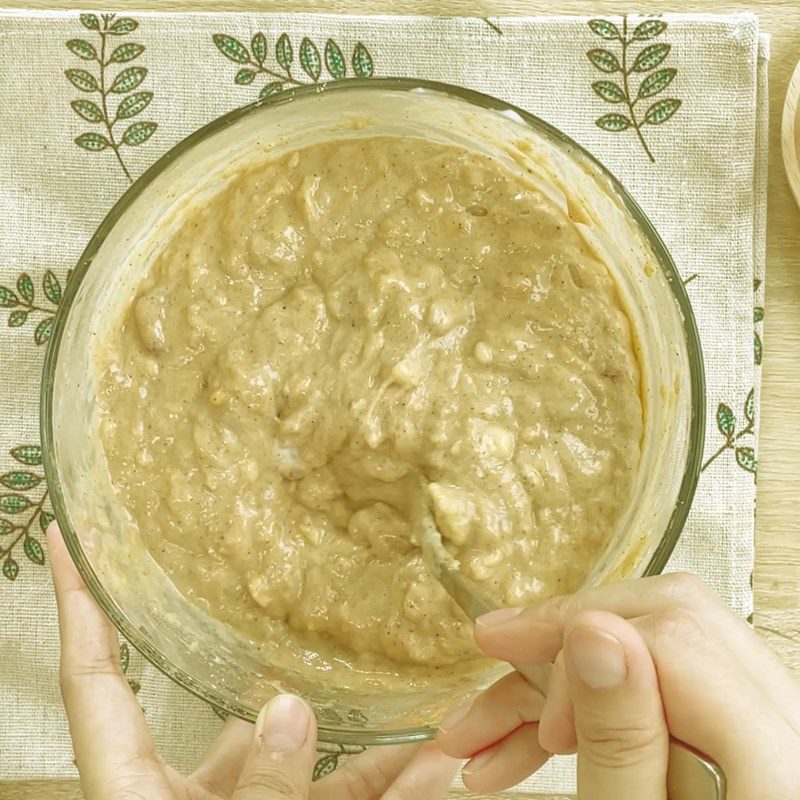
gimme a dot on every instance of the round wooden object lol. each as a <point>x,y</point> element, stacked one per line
<point>790,134</point>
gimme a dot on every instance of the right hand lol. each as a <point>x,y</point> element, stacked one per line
<point>630,660</point>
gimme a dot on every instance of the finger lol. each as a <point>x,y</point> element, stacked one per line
<point>222,764</point>
<point>428,776</point>
<point>534,635</point>
<point>507,763</point>
<point>366,776</point>
<point>707,695</point>
<point>109,734</point>
<point>516,635</point>
<point>493,715</point>
<point>525,637</point>
<point>522,637</point>
<point>88,639</point>
<point>619,719</point>
<point>557,725</point>
<point>631,598</point>
<point>281,758</point>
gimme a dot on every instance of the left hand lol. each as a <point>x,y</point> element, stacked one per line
<point>117,759</point>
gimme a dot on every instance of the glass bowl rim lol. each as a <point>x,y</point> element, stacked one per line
<point>330,732</point>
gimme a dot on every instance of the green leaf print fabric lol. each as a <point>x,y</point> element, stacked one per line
<point>674,105</point>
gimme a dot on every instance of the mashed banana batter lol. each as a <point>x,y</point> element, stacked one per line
<point>336,330</point>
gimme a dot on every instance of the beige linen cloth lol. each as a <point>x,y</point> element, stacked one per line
<point>675,106</point>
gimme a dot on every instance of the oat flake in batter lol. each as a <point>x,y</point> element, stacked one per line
<point>337,328</point>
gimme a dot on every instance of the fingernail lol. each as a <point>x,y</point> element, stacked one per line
<point>498,617</point>
<point>479,762</point>
<point>598,658</point>
<point>283,723</point>
<point>454,717</point>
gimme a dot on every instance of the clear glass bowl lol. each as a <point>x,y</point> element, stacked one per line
<point>178,638</point>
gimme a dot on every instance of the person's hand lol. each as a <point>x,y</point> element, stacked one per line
<point>632,661</point>
<point>117,759</point>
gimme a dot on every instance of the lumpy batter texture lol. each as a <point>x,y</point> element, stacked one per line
<point>344,335</point>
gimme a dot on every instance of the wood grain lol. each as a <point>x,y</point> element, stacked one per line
<point>777,576</point>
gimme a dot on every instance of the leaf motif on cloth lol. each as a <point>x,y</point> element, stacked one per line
<point>604,29</point>
<point>284,53</point>
<point>20,508</point>
<point>113,101</point>
<point>307,63</point>
<point>626,64</point>
<point>750,406</point>
<point>27,306</point>
<point>362,61</point>
<point>310,59</point>
<point>331,756</point>
<point>657,81</point>
<point>649,29</point>
<point>325,766</point>
<point>33,550</point>
<point>758,318</point>
<point>661,111</point>
<point>20,480</point>
<point>726,422</point>
<point>604,60</point>
<point>614,122</point>
<point>650,57</point>
<point>746,459</point>
<point>610,92</point>
<point>737,443</point>
<point>124,663</point>
<point>742,443</point>
<point>334,60</point>
<point>138,133</point>
<point>259,46</point>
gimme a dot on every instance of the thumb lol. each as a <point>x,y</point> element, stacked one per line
<point>619,719</point>
<point>281,758</point>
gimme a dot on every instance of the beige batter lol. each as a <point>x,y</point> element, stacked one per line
<point>336,329</point>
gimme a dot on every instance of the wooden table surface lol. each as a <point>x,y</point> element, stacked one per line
<point>777,576</point>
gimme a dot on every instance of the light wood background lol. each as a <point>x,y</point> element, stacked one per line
<point>777,576</point>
